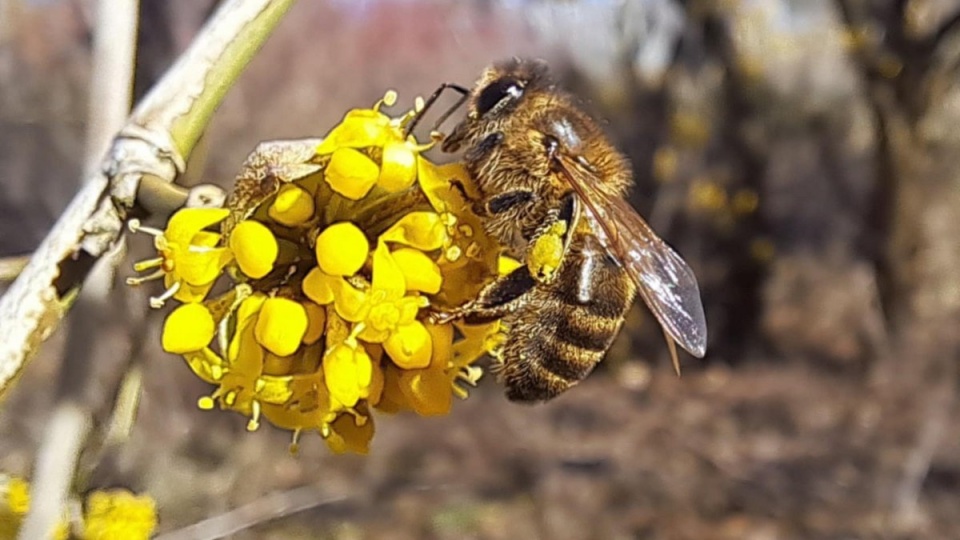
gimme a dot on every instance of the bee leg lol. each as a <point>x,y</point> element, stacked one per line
<point>505,201</point>
<point>484,147</point>
<point>495,300</point>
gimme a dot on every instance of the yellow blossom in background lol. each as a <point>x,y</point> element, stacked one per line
<point>116,514</point>
<point>107,515</point>
<point>334,275</point>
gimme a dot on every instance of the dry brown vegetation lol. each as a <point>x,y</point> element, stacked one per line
<point>802,155</point>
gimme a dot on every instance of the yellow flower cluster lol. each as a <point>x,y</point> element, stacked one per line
<point>334,273</point>
<point>107,515</point>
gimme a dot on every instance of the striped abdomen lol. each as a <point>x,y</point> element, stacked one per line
<point>564,328</point>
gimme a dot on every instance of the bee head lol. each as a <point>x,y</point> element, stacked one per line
<point>500,90</point>
<point>503,86</point>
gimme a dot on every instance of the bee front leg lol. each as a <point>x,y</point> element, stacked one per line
<point>495,300</point>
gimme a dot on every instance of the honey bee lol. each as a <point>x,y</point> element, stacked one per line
<point>537,160</point>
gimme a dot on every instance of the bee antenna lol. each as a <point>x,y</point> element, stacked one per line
<point>464,94</point>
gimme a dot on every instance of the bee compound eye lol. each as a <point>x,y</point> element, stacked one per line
<point>496,92</point>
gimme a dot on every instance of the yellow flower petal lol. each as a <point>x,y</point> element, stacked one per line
<point>392,399</point>
<point>351,173</point>
<point>428,391</point>
<point>254,247</point>
<point>188,222</point>
<point>436,183</point>
<point>188,328</point>
<point>375,390</point>
<point>347,436</point>
<point>245,353</point>
<point>205,364</point>
<point>387,276</point>
<point>318,286</point>
<point>422,230</point>
<point>349,302</point>
<point>275,389</point>
<point>186,292</point>
<point>441,337</point>
<point>281,325</point>
<point>342,249</point>
<point>293,206</point>
<point>398,168</point>
<point>316,322</point>
<point>346,371</point>
<point>419,271</point>
<point>201,265</point>
<point>359,129</point>
<point>249,308</point>
<point>410,346</point>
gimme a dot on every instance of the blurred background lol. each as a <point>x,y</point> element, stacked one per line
<point>802,155</point>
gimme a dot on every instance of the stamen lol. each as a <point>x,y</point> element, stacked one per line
<point>140,280</point>
<point>142,266</point>
<point>351,340</point>
<point>473,250</point>
<point>242,292</point>
<point>205,403</point>
<point>156,302</point>
<point>254,422</point>
<point>135,226</point>
<point>448,218</point>
<point>200,249</point>
<point>453,253</point>
<point>389,99</point>
<point>295,442</point>
<point>470,374</point>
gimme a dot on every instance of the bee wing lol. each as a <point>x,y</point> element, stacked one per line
<point>664,281</point>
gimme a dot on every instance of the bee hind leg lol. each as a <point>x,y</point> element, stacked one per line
<point>495,300</point>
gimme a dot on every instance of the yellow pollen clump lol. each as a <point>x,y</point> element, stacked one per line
<point>293,206</point>
<point>188,328</point>
<point>342,249</point>
<point>254,247</point>
<point>281,325</point>
<point>547,252</point>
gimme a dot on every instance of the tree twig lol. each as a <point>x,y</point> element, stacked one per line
<point>10,267</point>
<point>155,141</point>
<point>115,39</point>
<point>262,510</point>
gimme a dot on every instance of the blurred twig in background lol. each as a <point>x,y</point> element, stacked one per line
<point>155,141</point>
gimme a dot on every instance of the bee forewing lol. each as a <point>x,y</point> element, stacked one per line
<point>665,282</point>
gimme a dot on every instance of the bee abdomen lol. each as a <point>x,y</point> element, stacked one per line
<point>567,343</point>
